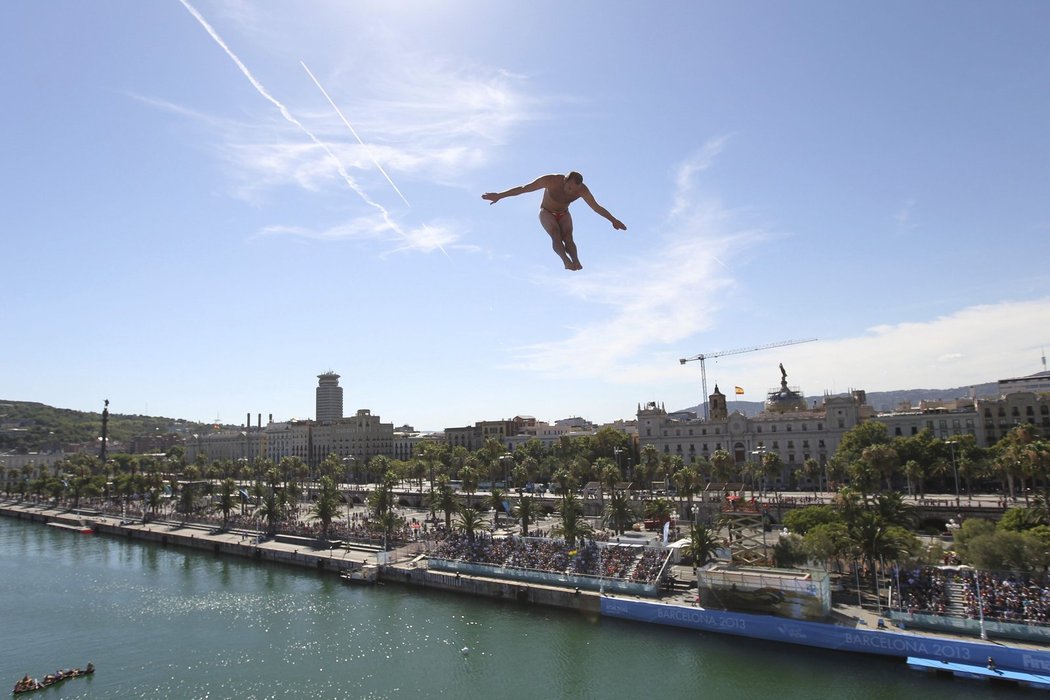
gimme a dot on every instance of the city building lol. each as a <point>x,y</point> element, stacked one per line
<point>943,419</point>
<point>999,416</point>
<point>329,398</point>
<point>244,445</point>
<point>786,427</point>
<point>1038,383</point>
<point>358,437</point>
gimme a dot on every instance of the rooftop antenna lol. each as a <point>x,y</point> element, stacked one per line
<point>1044,358</point>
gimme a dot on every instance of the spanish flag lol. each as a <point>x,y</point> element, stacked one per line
<point>740,390</point>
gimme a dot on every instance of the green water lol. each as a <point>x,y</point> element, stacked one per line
<point>168,623</point>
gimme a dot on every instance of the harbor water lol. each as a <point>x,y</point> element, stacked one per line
<point>163,622</point>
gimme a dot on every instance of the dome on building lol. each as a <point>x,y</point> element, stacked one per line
<point>785,399</point>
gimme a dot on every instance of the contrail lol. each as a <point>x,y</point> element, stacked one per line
<point>288,116</point>
<point>353,131</point>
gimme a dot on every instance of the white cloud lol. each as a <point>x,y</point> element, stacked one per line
<point>903,217</point>
<point>413,114</point>
<point>969,346</point>
<point>687,171</point>
<point>423,238</point>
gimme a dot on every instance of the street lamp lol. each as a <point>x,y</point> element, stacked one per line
<point>951,444</point>
<point>503,463</point>
<point>980,602</point>
<point>759,452</point>
<point>433,515</point>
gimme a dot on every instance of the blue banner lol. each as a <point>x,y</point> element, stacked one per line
<point>827,635</point>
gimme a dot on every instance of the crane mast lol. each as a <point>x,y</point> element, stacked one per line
<point>702,357</point>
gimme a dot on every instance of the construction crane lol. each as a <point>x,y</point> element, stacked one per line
<point>711,355</point>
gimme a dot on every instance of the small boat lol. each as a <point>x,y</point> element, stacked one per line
<point>28,685</point>
<point>366,574</point>
<point>81,526</point>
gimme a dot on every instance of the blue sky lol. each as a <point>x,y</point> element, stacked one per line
<point>192,229</point>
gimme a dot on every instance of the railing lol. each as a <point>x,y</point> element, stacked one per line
<point>969,626</point>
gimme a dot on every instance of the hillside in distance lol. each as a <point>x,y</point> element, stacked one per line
<point>26,426</point>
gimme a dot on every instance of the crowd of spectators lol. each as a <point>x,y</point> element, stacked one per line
<point>1009,598</point>
<point>641,564</point>
<point>924,590</point>
<point>1012,599</point>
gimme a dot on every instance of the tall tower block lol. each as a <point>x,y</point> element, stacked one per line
<point>329,398</point>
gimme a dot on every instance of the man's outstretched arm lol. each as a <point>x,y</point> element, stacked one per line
<point>537,184</point>
<point>602,211</point>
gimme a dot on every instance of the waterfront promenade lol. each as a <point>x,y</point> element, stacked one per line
<point>850,628</point>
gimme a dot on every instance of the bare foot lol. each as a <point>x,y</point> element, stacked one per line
<point>569,264</point>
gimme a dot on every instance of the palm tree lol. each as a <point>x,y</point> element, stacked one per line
<point>608,476</point>
<point>811,470</point>
<point>496,499</point>
<point>723,465</point>
<point>444,499</point>
<point>685,479</point>
<point>468,477</point>
<point>272,511</point>
<point>892,510</point>
<point>382,499</point>
<point>620,512</point>
<point>573,525</point>
<point>155,496</point>
<point>470,522</point>
<point>772,468</point>
<point>82,483</point>
<point>915,474</point>
<point>863,477</point>
<point>327,505</point>
<point>661,510</point>
<point>883,459</point>
<point>227,501</point>
<point>565,482</point>
<point>527,510</point>
<point>702,545</point>
<point>650,465</point>
<point>388,522</point>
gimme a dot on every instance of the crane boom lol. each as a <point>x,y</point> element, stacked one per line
<point>722,353</point>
